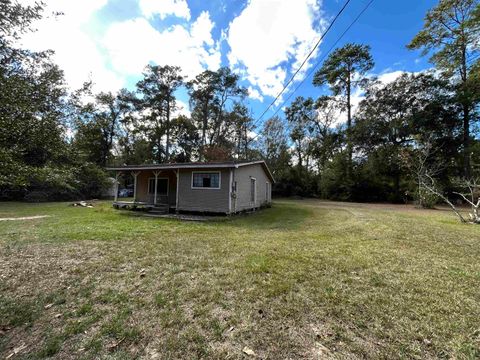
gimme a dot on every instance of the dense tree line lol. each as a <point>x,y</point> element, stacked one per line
<point>55,142</point>
<point>368,157</point>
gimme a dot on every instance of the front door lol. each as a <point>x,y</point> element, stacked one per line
<point>162,190</point>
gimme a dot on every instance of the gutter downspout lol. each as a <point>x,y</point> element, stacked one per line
<point>177,195</point>
<point>230,192</point>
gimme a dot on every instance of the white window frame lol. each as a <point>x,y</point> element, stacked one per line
<point>254,192</point>
<point>153,193</point>
<point>207,188</point>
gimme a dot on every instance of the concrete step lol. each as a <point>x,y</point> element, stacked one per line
<point>160,209</point>
<point>156,215</point>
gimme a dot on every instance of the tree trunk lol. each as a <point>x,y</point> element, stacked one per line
<point>397,186</point>
<point>167,147</point>
<point>204,131</point>
<point>466,141</point>
<point>349,125</point>
<point>433,190</point>
<point>246,142</point>
<point>300,160</point>
<point>466,113</point>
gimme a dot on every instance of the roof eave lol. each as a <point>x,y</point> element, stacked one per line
<point>194,166</point>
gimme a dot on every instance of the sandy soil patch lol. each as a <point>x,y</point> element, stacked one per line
<point>24,218</point>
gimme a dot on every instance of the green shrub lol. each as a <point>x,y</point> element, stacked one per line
<point>91,180</point>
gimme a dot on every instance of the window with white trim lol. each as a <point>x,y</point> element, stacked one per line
<point>206,180</point>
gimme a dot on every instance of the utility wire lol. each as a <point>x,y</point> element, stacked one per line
<point>473,59</point>
<point>304,61</point>
<point>321,59</point>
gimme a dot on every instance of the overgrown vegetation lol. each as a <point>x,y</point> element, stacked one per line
<point>299,280</point>
<point>323,146</point>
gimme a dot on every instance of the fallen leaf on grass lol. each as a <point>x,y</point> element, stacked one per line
<point>321,350</point>
<point>248,351</point>
<point>17,350</point>
<point>113,346</point>
<point>427,342</point>
<point>48,306</point>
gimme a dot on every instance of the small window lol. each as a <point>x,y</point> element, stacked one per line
<point>206,180</point>
<point>162,186</point>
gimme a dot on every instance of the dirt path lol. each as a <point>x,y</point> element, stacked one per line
<point>25,218</point>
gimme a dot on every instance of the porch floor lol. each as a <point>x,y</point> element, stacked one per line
<point>138,204</point>
<point>186,217</point>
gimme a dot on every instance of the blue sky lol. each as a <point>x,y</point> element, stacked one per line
<point>110,41</point>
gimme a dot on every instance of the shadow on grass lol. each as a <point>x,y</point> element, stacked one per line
<point>281,216</point>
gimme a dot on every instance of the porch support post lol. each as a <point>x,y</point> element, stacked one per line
<point>230,185</point>
<point>135,175</point>
<point>156,173</point>
<point>117,175</point>
<point>178,186</point>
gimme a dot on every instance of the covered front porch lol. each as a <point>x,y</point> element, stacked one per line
<point>152,189</point>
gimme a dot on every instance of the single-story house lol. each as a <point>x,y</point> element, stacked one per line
<point>211,187</point>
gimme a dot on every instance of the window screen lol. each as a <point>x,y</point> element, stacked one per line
<point>162,186</point>
<point>206,180</point>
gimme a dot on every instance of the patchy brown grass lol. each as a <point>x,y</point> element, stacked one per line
<point>305,279</point>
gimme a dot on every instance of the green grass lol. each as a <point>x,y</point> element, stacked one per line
<point>361,281</point>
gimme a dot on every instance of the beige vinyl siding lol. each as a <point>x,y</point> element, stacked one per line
<point>206,200</point>
<point>210,200</point>
<point>242,177</point>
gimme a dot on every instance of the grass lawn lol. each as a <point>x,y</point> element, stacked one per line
<point>304,279</point>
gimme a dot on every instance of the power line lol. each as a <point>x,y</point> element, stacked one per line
<point>304,61</point>
<point>473,59</point>
<point>321,59</point>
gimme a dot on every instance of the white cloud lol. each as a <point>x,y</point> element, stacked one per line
<point>389,77</point>
<point>182,109</point>
<point>252,134</point>
<point>267,35</point>
<point>76,52</point>
<point>125,48</point>
<point>254,94</point>
<point>163,8</point>
<point>133,44</point>
<point>128,50</point>
<point>201,31</point>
